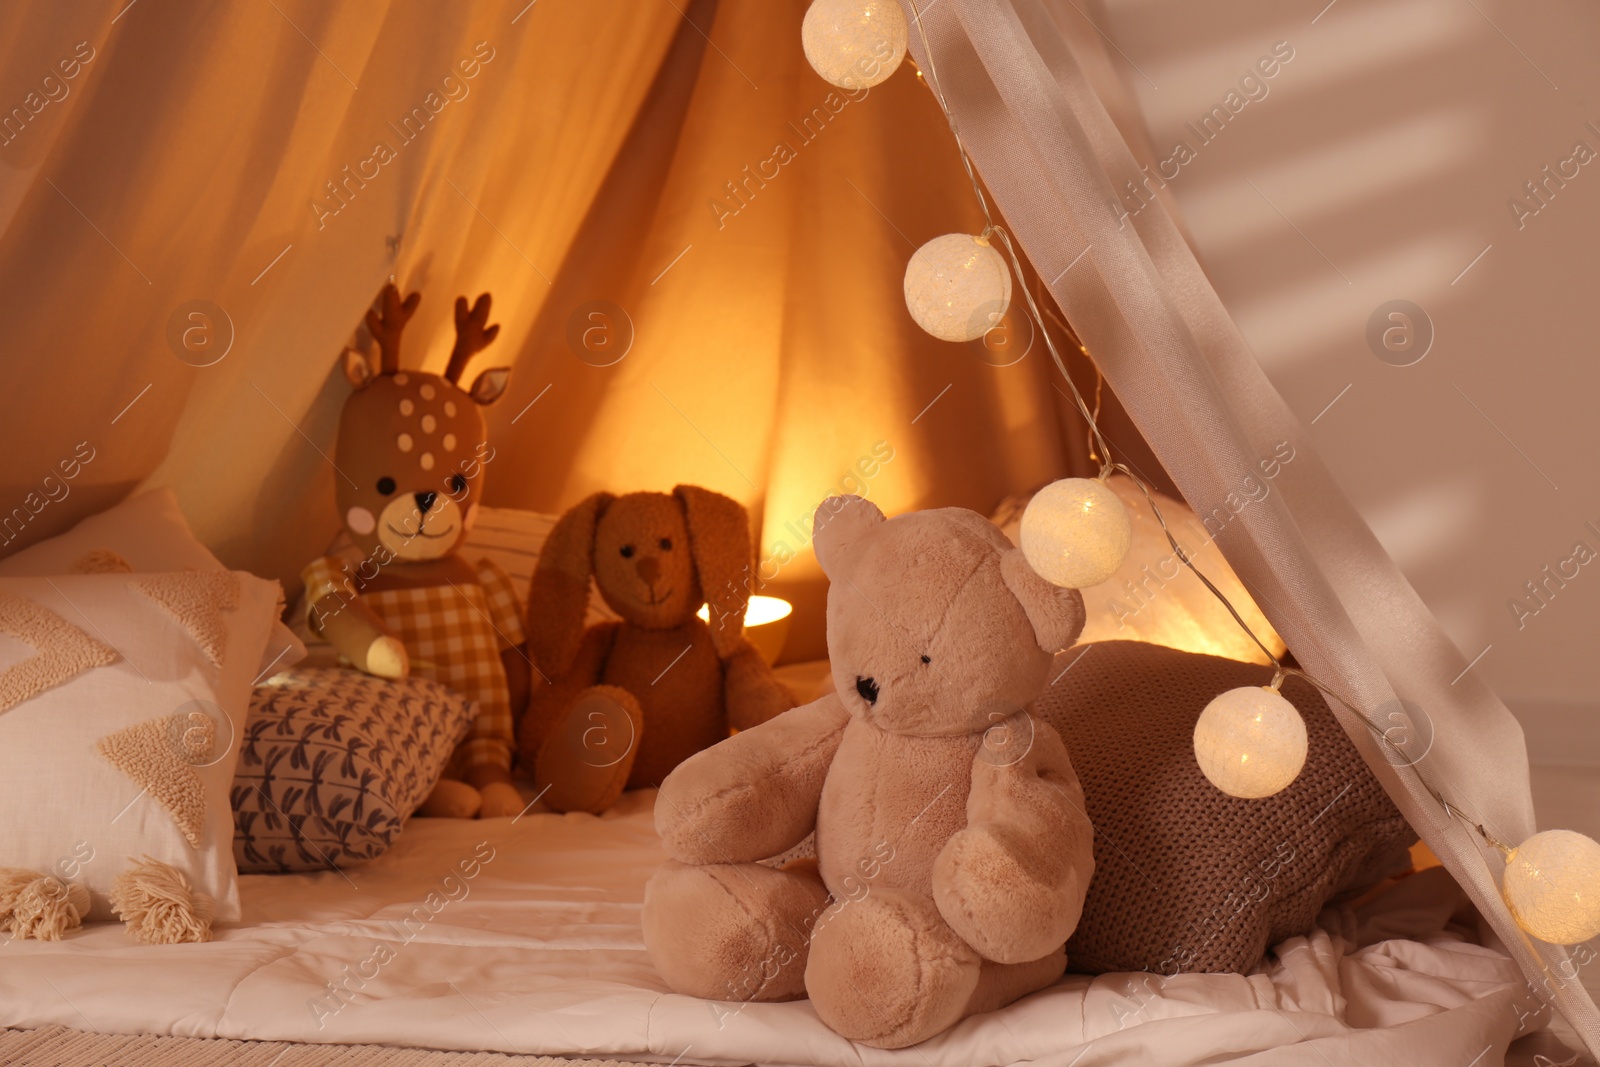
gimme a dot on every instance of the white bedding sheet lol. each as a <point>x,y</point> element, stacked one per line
<point>530,943</point>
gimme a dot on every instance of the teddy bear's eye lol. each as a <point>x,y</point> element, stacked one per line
<point>666,544</point>
<point>386,486</point>
<point>458,484</point>
<point>925,659</point>
<point>627,551</point>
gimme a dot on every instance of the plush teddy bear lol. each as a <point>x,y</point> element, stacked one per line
<point>409,464</point>
<point>628,701</point>
<point>952,849</point>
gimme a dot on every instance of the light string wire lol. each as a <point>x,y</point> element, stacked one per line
<point>1108,465</point>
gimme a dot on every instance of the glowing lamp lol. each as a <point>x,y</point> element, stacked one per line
<point>766,624</point>
<point>1075,532</point>
<point>1250,742</point>
<point>957,287</point>
<point>1552,886</point>
<point>854,44</point>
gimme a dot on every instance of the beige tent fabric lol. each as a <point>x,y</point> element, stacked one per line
<point>186,163</point>
<point>771,356</point>
<point>184,157</point>
<point>752,240</point>
<point>1047,147</point>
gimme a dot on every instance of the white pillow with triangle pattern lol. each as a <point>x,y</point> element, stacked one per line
<point>121,700</point>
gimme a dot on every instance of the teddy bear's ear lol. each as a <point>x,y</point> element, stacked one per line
<point>1057,613</point>
<point>839,521</point>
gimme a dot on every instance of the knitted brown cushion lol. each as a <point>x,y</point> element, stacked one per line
<point>1187,878</point>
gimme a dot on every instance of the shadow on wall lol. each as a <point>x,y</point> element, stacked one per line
<point>1386,162</point>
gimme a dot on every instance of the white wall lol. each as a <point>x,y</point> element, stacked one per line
<point>1378,166</point>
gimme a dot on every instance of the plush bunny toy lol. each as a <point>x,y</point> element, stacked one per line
<point>628,701</point>
<point>953,852</point>
<point>409,460</point>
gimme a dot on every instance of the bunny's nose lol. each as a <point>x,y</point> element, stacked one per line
<point>649,569</point>
<point>868,689</point>
<point>425,501</point>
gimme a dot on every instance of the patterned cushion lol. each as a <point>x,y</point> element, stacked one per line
<point>121,697</point>
<point>1187,878</point>
<point>333,761</point>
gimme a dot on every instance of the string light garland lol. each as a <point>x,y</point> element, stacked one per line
<point>854,44</point>
<point>1075,532</point>
<point>957,287</point>
<point>1551,884</point>
<point>1251,742</point>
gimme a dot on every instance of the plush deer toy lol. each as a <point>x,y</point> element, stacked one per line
<point>410,456</point>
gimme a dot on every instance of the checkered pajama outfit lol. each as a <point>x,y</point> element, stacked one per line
<point>454,634</point>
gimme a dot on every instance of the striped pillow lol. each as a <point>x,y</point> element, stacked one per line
<point>514,538</point>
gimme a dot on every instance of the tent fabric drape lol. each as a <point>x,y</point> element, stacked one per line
<point>1050,152</point>
<point>750,242</point>
<point>269,167</point>
<point>572,151</point>
<point>231,153</point>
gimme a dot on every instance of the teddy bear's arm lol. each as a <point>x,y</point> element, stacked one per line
<point>754,795</point>
<point>1012,883</point>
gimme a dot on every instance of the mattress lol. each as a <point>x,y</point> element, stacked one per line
<point>522,936</point>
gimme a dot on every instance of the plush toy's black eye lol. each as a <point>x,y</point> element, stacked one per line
<point>458,484</point>
<point>666,544</point>
<point>627,551</point>
<point>925,659</point>
<point>386,486</point>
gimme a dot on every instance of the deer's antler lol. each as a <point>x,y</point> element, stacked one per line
<point>473,334</point>
<point>386,326</point>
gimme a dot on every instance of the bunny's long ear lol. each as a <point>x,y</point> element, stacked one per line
<point>1056,613</point>
<point>559,595</point>
<point>719,539</point>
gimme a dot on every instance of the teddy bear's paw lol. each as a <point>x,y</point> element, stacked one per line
<point>732,932</point>
<point>451,800</point>
<point>887,971</point>
<point>1010,901</point>
<point>500,800</point>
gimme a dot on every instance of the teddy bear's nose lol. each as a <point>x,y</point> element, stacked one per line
<point>868,689</point>
<point>425,501</point>
<point>649,569</point>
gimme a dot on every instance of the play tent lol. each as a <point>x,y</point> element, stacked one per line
<point>695,248</point>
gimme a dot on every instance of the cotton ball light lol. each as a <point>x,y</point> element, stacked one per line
<point>1250,742</point>
<point>957,287</point>
<point>1075,532</point>
<point>854,44</point>
<point>1552,886</point>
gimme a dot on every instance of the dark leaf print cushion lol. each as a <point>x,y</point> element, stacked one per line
<point>332,762</point>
